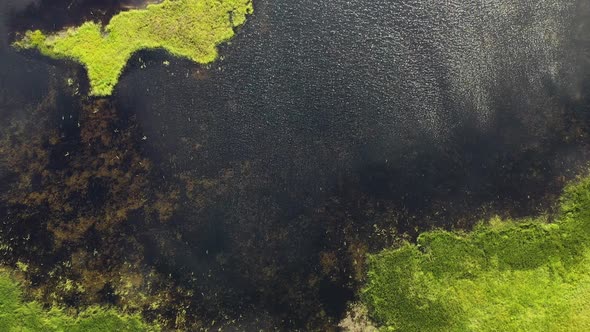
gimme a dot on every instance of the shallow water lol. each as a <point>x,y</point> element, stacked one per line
<point>323,124</point>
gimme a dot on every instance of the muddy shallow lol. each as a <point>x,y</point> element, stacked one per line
<point>247,192</point>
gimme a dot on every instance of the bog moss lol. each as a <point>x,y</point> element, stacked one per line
<point>189,29</point>
<point>18,315</point>
<point>511,275</point>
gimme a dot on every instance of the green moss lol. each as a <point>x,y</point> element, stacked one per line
<point>17,315</point>
<point>189,29</point>
<point>523,275</point>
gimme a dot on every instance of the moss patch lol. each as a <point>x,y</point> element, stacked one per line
<point>524,275</point>
<point>18,315</point>
<point>189,29</point>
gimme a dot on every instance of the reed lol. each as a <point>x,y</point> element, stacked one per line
<point>506,275</point>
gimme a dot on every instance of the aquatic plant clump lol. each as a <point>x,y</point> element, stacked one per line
<point>189,29</point>
<point>524,275</point>
<point>17,315</point>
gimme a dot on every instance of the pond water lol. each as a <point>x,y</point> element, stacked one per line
<point>326,130</point>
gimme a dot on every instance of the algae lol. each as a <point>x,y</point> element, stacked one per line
<point>189,29</point>
<point>506,275</point>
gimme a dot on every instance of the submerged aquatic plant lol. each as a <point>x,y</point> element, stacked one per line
<point>515,275</point>
<point>18,315</point>
<point>189,29</point>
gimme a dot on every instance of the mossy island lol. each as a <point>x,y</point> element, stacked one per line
<point>190,29</point>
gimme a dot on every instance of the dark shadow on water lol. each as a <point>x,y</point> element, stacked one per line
<point>54,15</point>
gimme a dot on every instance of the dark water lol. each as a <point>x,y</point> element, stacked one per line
<point>401,98</point>
<point>327,121</point>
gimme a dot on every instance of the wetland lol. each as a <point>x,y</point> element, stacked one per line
<point>247,193</point>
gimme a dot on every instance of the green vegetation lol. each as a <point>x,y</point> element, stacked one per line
<point>17,315</point>
<point>186,28</point>
<point>523,275</point>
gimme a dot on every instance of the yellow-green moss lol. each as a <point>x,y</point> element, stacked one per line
<point>17,315</point>
<point>523,275</point>
<point>189,29</point>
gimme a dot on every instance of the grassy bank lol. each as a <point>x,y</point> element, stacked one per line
<point>17,315</point>
<point>189,29</point>
<point>513,275</point>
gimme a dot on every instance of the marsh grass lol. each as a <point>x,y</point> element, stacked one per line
<point>18,315</point>
<point>506,275</point>
<point>189,29</point>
